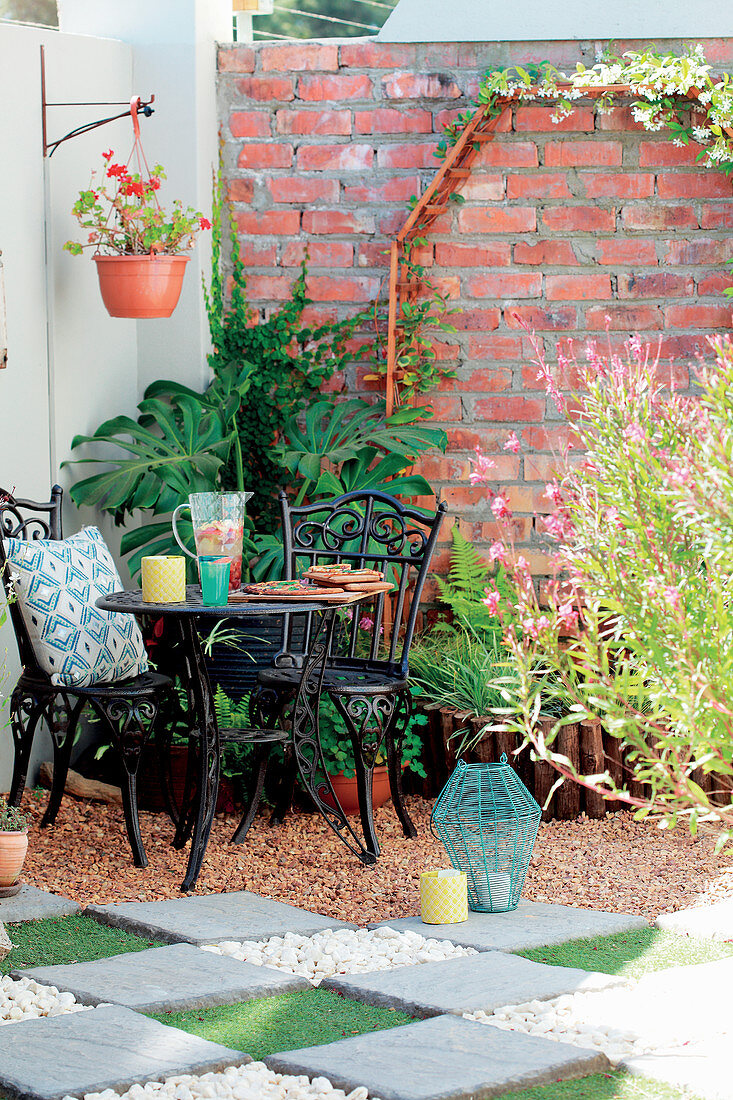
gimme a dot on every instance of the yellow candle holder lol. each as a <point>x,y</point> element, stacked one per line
<point>443,897</point>
<point>164,579</point>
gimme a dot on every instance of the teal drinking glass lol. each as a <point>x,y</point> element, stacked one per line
<point>214,573</point>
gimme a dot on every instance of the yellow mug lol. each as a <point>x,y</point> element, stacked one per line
<point>443,897</point>
<point>164,579</point>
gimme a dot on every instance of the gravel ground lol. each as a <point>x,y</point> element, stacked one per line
<point>615,864</point>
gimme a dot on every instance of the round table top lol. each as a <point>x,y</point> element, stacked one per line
<point>131,602</point>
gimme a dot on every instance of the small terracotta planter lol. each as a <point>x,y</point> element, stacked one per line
<point>346,792</point>
<point>141,286</point>
<point>13,847</point>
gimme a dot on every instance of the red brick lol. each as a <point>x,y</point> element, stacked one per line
<point>700,251</point>
<point>349,157</point>
<point>391,223</point>
<point>265,154</point>
<point>698,316</point>
<point>467,439</point>
<point>236,59</point>
<point>313,122</point>
<point>445,407</point>
<point>658,154</point>
<point>373,255</point>
<point>508,219</point>
<point>305,57</point>
<point>619,118</point>
<point>445,352</point>
<point>408,156</point>
<point>498,345</point>
<point>579,219</point>
<point>717,215</point>
<point>684,347</point>
<point>410,85</point>
<point>714,284</point>
<point>544,252</point>
<point>540,185</point>
<point>448,285</point>
<point>694,185</point>
<point>539,119</point>
<point>275,89</point>
<point>334,89</point>
<point>304,189</point>
<point>547,320</point>
<point>320,253</point>
<point>476,320</point>
<point>240,190</point>
<point>630,250</point>
<point>651,216</point>
<point>284,223</point>
<point>509,408</point>
<point>505,154</point>
<point>446,117</point>
<point>388,120</point>
<point>493,254</point>
<point>577,154</point>
<point>361,288</point>
<point>463,496</point>
<point>377,55</point>
<point>398,189</point>
<point>337,221</point>
<point>269,287</point>
<point>621,185</point>
<point>250,124</point>
<point>659,285</point>
<point>623,317</point>
<point>718,49</point>
<point>487,380</point>
<point>481,187</point>
<point>519,285</point>
<point>255,253</point>
<point>573,288</point>
<point>543,467</point>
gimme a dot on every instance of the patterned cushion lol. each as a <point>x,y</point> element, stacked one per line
<point>57,584</point>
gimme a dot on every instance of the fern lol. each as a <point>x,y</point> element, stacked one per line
<point>465,585</point>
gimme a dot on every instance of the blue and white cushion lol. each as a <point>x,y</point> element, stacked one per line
<point>57,584</point>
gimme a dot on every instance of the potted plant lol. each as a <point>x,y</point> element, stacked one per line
<point>138,245</point>
<point>338,758</point>
<point>13,844</point>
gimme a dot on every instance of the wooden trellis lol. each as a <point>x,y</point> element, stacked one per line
<point>404,285</point>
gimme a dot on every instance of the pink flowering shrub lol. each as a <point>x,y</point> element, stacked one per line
<point>636,625</point>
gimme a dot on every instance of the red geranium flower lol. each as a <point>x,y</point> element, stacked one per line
<point>108,155</point>
<point>204,223</point>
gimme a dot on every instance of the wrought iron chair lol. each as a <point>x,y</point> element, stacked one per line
<point>367,671</point>
<point>127,709</point>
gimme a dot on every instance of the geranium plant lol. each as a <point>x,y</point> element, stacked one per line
<point>12,820</point>
<point>636,625</point>
<point>121,214</point>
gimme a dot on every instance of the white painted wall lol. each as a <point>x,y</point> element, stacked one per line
<point>555,20</point>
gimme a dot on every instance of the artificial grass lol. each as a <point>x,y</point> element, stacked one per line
<point>603,1086</point>
<point>287,1022</point>
<point>631,954</point>
<point>66,940</point>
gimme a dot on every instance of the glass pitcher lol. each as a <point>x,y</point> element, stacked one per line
<point>218,528</point>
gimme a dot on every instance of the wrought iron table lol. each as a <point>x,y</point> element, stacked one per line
<point>305,734</point>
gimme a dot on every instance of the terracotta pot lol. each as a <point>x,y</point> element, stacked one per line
<point>141,286</point>
<point>13,847</point>
<point>344,787</point>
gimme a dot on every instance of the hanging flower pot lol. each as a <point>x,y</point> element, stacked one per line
<point>141,286</point>
<point>138,245</point>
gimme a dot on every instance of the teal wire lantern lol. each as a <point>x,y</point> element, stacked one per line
<point>488,821</point>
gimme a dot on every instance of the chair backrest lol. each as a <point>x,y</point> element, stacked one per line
<point>370,530</point>
<point>26,519</point>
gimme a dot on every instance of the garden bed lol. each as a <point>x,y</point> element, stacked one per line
<point>614,864</point>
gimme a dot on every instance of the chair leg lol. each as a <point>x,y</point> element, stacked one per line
<point>286,788</point>
<point>63,718</point>
<point>261,762</point>
<point>268,708</point>
<point>393,737</point>
<point>187,809</point>
<point>364,716</point>
<point>25,712</point>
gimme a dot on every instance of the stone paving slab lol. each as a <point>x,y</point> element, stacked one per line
<point>711,922</point>
<point>167,979</point>
<point>206,918</point>
<point>485,981</point>
<point>531,924</point>
<point>446,1058</point>
<point>703,1068</point>
<point>34,904</point>
<point>56,1056</point>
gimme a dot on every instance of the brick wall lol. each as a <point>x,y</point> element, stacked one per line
<point>563,226</point>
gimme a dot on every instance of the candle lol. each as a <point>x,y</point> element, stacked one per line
<point>443,897</point>
<point>164,579</point>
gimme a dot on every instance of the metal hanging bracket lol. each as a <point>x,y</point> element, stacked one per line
<point>141,107</point>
